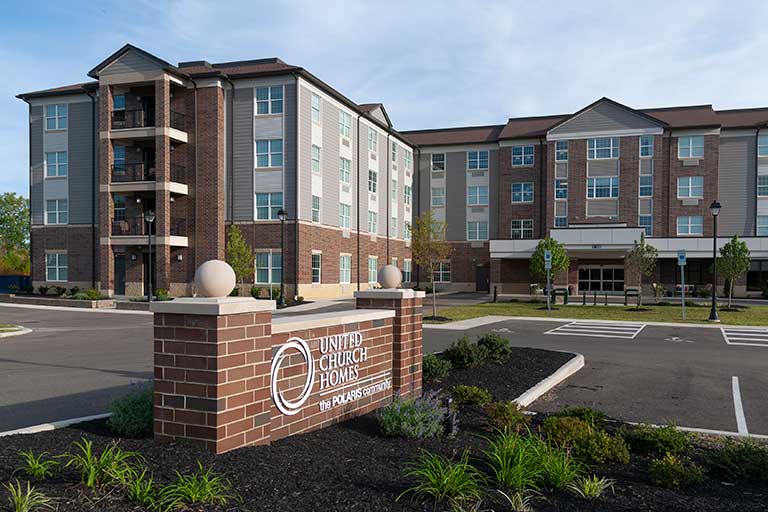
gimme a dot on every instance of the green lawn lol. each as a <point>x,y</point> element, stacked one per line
<point>751,315</point>
<point>8,327</point>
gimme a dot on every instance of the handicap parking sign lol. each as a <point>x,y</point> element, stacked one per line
<point>681,257</point>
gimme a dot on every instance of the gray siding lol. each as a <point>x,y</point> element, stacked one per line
<point>131,62</point>
<point>360,164</point>
<point>36,164</point>
<point>305,154</point>
<point>81,194</point>
<point>604,117</point>
<point>603,167</point>
<point>329,163</point>
<point>456,195</point>
<point>289,149</point>
<point>242,173</point>
<point>602,208</point>
<point>493,196</point>
<point>421,184</point>
<point>737,186</point>
<point>383,157</point>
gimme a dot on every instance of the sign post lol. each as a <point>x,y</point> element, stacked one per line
<point>681,264</point>
<point>548,267</point>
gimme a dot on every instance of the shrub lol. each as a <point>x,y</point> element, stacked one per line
<point>111,467</point>
<point>674,472</point>
<point>235,292</point>
<point>42,290</point>
<point>565,430</point>
<point>738,461</point>
<point>592,417</point>
<point>74,290</point>
<point>37,466</point>
<point>299,299</point>
<point>132,414</point>
<point>442,479</point>
<point>507,415</point>
<point>434,368</point>
<point>59,291</point>
<point>141,489</point>
<point>496,346</point>
<point>93,294</point>
<point>518,501</point>
<point>590,487</point>
<point>661,440</point>
<point>515,460</point>
<point>26,500</point>
<point>275,293</point>
<point>663,303</point>
<point>600,447</point>
<point>412,417</point>
<point>202,487</point>
<point>462,353</point>
<point>471,395</point>
<point>256,292</point>
<point>560,469</point>
<point>161,294</point>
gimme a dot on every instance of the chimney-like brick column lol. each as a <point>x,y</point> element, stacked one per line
<point>406,334</point>
<point>212,366</point>
<point>106,204</point>
<point>162,249</point>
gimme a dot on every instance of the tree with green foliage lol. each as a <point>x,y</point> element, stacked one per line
<point>734,261</point>
<point>239,255</point>
<point>560,260</point>
<point>640,262</point>
<point>14,234</point>
<point>429,247</point>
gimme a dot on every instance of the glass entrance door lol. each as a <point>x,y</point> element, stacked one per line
<point>601,278</point>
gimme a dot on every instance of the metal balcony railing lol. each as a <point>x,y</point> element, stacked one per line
<point>178,121</point>
<point>136,226</point>
<point>139,118</point>
<point>122,173</point>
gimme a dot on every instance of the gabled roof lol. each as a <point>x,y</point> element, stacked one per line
<point>612,103</point>
<point>60,91</point>
<point>693,116</point>
<point>371,108</point>
<point>525,127</point>
<point>94,73</point>
<point>450,136</point>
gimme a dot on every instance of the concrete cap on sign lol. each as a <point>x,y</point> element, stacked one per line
<point>390,277</point>
<point>214,278</point>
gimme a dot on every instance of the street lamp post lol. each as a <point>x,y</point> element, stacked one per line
<point>282,216</point>
<point>714,208</point>
<point>149,218</point>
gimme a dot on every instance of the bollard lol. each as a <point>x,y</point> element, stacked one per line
<point>606,298</point>
<point>594,298</point>
<point>495,294</point>
<point>584,298</point>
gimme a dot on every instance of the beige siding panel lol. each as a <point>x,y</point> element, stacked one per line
<point>561,208</point>
<point>561,170</point>
<point>603,167</point>
<point>604,117</point>
<point>646,166</point>
<point>602,208</point>
<point>646,207</point>
<point>737,186</point>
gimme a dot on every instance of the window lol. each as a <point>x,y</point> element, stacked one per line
<point>757,276</point>
<point>438,161</point>
<point>693,225</point>
<point>373,273</point>
<point>345,124</point>
<point>522,155</point>
<point>646,186</point>
<point>408,194</point>
<point>373,180</point>
<point>316,109</point>
<point>690,187</point>
<point>406,271</point>
<point>118,158</point>
<point>118,102</point>
<point>690,147</point>
<point>345,214</point>
<point>373,140</point>
<point>477,160</point>
<point>269,153</point>
<point>315,158</point>
<point>345,170</point>
<point>762,145</point>
<point>477,196</point>
<point>56,164</point>
<point>119,207</point>
<point>268,204</point>
<point>394,152</point>
<point>408,159</point>
<point>598,188</point>
<point>762,225</point>
<point>522,192</point>
<point>317,261</point>
<point>393,227</point>
<point>762,185</point>
<point>646,145</point>
<point>561,151</point>
<point>393,191</point>
<point>56,211</point>
<point>56,117</point>
<point>345,268</point>
<point>442,272</point>
<point>522,229</point>
<point>56,266</point>
<point>477,230</point>
<point>561,189</point>
<point>269,100</point>
<point>561,222</point>
<point>438,196</point>
<point>646,222</point>
<point>603,148</point>
<point>269,267</point>
<point>406,230</point>
<point>315,209</point>
<point>373,220</point>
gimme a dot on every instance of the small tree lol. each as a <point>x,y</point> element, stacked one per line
<point>239,255</point>
<point>14,234</point>
<point>429,247</point>
<point>734,261</point>
<point>560,260</point>
<point>641,262</point>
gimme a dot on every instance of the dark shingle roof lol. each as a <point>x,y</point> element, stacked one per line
<point>461,135</point>
<point>685,117</point>
<point>59,91</point>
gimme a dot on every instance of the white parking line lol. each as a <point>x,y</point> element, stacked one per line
<point>741,421</point>
<point>621,330</point>
<point>747,337</point>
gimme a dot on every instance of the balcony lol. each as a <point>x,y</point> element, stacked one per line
<point>126,119</point>
<point>141,124</point>
<point>143,178</point>
<point>125,173</point>
<point>133,231</point>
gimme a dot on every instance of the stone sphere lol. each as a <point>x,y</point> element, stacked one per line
<point>214,278</point>
<point>390,277</point>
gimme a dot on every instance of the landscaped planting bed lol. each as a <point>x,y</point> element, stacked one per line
<point>353,466</point>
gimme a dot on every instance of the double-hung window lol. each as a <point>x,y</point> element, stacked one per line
<point>373,140</point>
<point>762,145</point>
<point>316,109</point>
<point>690,147</point>
<point>393,191</point>
<point>438,196</point>
<point>373,221</point>
<point>646,222</point>
<point>118,158</point>
<point>408,159</point>
<point>407,194</point>
<point>269,267</point>
<point>393,227</point>
<point>442,272</point>
<point>315,209</point>
<point>762,185</point>
<point>345,170</point>
<point>345,268</point>
<point>373,180</point>
<point>373,272</point>
<point>345,124</point>
<point>521,229</point>
<point>561,189</point>
<point>56,266</point>
<point>268,204</point>
<point>477,160</point>
<point>269,153</point>
<point>269,100</point>
<point>603,148</point>
<point>601,188</point>
<point>522,155</point>
<point>317,266</point>
<point>345,215</point>
<point>438,162</point>
<point>646,185</point>
<point>56,117</point>
<point>762,225</point>
<point>522,192</point>
<point>406,230</point>
<point>56,164</point>
<point>477,230</point>
<point>119,207</point>
<point>561,221</point>
<point>315,158</point>
<point>394,153</point>
<point>561,151</point>
<point>406,271</point>
<point>690,225</point>
<point>56,211</point>
<point>690,187</point>
<point>477,196</point>
<point>646,146</point>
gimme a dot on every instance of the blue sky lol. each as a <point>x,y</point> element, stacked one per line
<point>433,64</point>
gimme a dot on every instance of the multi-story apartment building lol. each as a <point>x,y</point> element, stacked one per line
<point>595,180</point>
<point>198,148</point>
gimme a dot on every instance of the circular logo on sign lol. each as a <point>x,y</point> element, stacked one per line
<point>291,407</point>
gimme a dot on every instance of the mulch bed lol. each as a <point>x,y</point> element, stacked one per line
<point>351,467</point>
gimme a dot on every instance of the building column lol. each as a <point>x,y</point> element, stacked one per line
<point>106,264</point>
<point>162,248</point>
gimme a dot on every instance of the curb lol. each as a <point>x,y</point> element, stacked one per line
<point>75,310</point>
<point>18,332</point>
<point>43,427</point>
<point>575,364</point>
